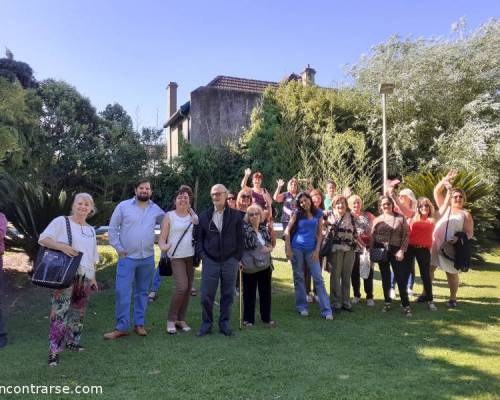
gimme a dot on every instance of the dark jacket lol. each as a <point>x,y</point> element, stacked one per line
<point>220,246</point>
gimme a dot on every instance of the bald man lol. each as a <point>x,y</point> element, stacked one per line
<point>220,244</point>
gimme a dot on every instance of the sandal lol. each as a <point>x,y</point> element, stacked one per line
<point>171,328</point>
<point>53,359</point>
<point>152,297</point>
<point>74,347</point>
<point>183,326</point>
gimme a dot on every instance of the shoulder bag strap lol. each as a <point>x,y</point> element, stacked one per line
<point>182,237</point>
<point>68,231</point>
<point>447,223</point>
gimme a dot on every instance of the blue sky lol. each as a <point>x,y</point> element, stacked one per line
<point>127,51</point>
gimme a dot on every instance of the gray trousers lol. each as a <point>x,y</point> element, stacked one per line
<point>211,273</point>
<point>340,277</point>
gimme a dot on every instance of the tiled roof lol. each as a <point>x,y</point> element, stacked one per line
<point>241,84</point>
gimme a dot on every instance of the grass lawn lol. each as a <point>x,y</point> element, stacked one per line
<point>449,354</point>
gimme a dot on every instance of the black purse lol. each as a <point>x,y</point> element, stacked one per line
<point>165,263</point>
<point>381,254</point>
<point>55,269</point>
<point>328,241</point>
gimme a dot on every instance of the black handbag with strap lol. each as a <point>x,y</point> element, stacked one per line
<point>55,269</point>
<point>165,263</point>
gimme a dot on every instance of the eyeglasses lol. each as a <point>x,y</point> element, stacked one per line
<point>231,198</point>
<point>424,206</point>
<point>255,214</point>
<point>217,194</point>
<point>386,204</point>
<point>88,235</point>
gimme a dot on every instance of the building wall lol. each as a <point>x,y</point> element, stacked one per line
<point>220,114</point>
<point>173,133</point>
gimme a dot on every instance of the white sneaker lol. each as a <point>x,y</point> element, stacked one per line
<point>329,317</point>
<point>370,302</point>
<point>304,313</point>
<point>392,294</point>
<point>355,300</point>
<point>432,306</point>
<point>309,298</point>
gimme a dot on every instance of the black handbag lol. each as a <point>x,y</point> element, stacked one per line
<point>165,264</point>
<point>55,269</point>
<point>379,254</point>
<point>329,239</point>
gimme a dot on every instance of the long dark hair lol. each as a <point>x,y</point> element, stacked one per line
<point>301,213</point>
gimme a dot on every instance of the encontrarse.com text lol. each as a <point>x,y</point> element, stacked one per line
<point>49,389</point>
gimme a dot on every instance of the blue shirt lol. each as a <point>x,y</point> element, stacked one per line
<point>304,237</point>
<point>132,228</point>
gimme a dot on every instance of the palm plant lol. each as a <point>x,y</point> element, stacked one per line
<point>29,209</point>
<point>477,192</point>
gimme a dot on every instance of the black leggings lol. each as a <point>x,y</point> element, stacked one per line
<point>423,257</point>
<point>401,272</point>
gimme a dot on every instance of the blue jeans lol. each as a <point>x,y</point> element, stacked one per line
<point>299,259</point>
<point>132,272</point>
<point>157,280</point>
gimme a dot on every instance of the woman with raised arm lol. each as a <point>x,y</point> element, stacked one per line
<point>302,243</point>
<point>260,195</point>
<point>287,198</point>
<point>390,231</point>
<point>455,221</point>
<point>420,244</point>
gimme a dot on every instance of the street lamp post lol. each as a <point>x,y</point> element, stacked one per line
<point>384,89</point>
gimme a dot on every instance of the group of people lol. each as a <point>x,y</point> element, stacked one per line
<point>329,231</point>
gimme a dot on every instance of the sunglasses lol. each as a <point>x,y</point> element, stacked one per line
<point>254,214</point>
<point>230,198</point>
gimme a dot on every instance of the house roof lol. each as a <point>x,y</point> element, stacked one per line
<point>241,84</point>
<point>180,114</point>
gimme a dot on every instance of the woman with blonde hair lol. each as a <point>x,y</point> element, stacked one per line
<point>363,221</point>
<point>455,221</point>
<point>420,244</point>
<point>68,305</point>
<point>257,266</point>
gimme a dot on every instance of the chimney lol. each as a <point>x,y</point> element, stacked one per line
<point>308,76</point>
<point>171,99</point>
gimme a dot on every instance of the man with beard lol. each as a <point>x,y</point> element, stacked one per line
<point>220,243</point>
<point>132,234</point>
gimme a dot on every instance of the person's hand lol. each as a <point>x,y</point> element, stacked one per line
<point>315,255</point>
<point>248,172</point>
<point>390,191</point>
<point>280,183</point>
<point>93,285</point>
<point>164,246</point>
<point>267,249</point>
<point>289,254</point>
<point>68,250</point>
<point>122,254</point>
<point>450,175</point>
<point>347,192</point>
<point>399,255</point>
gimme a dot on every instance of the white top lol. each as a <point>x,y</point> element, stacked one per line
<point>177,227</point>
<point>261,239</point>
<point>455,224</point>
<point>84,240</point>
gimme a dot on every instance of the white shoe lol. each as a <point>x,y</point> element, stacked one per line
<point>432,306</point>
<point>304,313</point>
<point>410,293</point>
<point>355,300</point>
<point>370,303</point>
<point>392,294</point>
<point>309,299</point>
<point>329,317</point>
